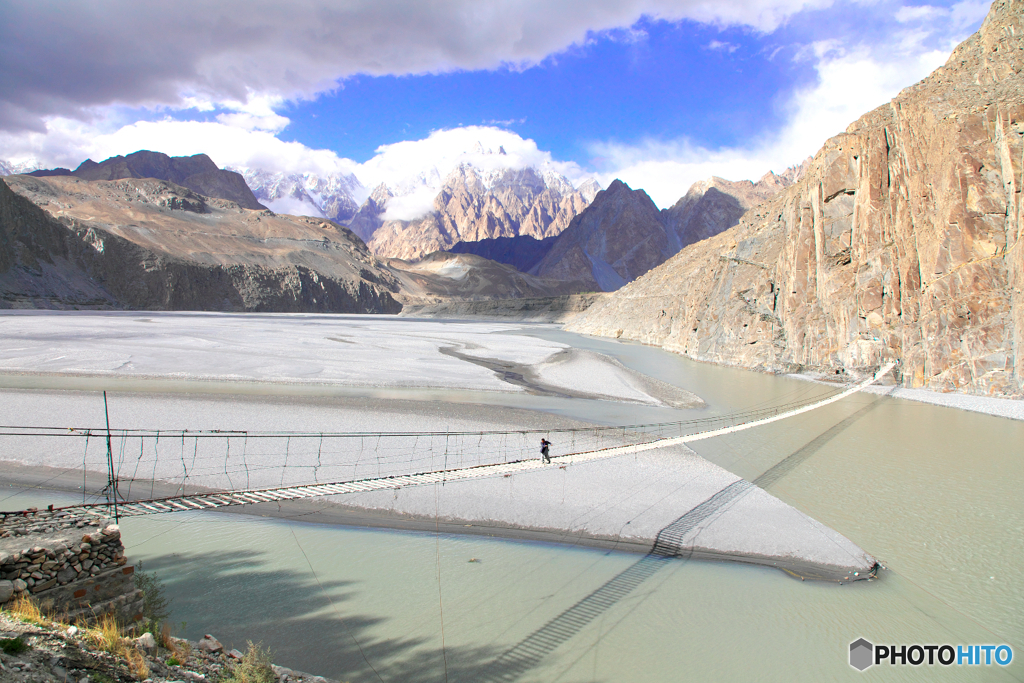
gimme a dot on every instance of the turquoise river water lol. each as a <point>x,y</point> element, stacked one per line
<point>936,494</point>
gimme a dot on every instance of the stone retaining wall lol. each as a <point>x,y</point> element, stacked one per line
<point>73,565</point>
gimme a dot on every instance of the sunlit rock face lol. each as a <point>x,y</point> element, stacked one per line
<point>473,205</point>
<point>902,240</point>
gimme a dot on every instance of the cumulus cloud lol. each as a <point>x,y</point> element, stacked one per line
<point>851,81</point>
<point>66,58</point>
<point>413,169</point>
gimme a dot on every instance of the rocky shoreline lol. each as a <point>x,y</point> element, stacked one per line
<point>69,599</point>
<point>42,650</point>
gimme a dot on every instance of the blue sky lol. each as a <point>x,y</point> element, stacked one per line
<point>658,92</point>
<point>658,81</point>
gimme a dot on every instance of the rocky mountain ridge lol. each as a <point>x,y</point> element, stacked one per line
<point>150,244</point>
<point>197,173</point>
<point>901,241</point>
<point>622,234</point>
<point>472,205</point>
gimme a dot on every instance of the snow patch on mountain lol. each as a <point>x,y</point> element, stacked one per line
<point>15,167</point>
<point>332,196</point>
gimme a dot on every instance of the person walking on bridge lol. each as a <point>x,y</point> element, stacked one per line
<point>544,444</point>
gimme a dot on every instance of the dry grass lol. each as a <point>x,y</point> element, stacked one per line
<point>25,608</point>
<point>106,636</point>
<point>137,663</point>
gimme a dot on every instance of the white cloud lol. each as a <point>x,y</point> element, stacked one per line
<point>418,202</point>
<point>67,142</point>
<point>722,47</point>
<point>293,206</point>
<point>485,147</point>
<point>180,54</point>
<point>852,79</point>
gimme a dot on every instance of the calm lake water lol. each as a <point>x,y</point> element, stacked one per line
<point>934,493</point>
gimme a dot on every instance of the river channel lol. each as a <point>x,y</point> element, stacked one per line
<point>935,493</point>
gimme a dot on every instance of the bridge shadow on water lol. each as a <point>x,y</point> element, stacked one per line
<point>795,459</point>
<point>529,652</point>
<point>237,597</point>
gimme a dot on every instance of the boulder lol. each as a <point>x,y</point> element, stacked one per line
<point>146,641</point>
<point>209,644</point>
<point>6,591</point>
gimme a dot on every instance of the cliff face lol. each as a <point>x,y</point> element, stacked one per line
<point>150,244</point>
<point>901,241</point>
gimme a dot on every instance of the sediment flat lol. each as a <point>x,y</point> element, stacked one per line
<point>199,436</point>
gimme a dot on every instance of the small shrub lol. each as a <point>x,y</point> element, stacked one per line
<point>155,606</point>
<point>13,646</point>
<point>254,667</point>
<point>173,661</point>
<point>182,649</point>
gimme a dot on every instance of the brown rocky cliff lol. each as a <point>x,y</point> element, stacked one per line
<point>901,241</point>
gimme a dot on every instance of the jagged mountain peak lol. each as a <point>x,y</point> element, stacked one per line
<point>381,194</point>
<point>475,203</point>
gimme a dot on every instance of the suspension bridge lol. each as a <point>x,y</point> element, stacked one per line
<point>626,440</point>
